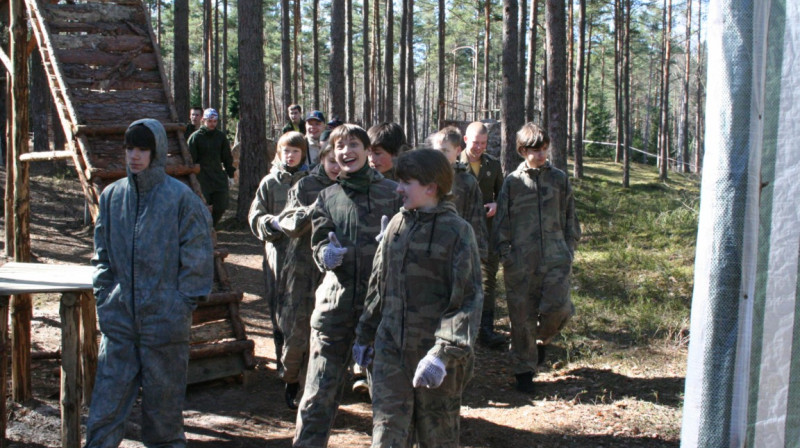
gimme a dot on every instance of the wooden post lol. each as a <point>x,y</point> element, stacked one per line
<point>21,307</point>
<point>70,371</point>
<point>3,363</point>
<point>89,344</point>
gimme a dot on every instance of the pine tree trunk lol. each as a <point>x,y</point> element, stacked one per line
<point>577,168</point>
<point>626,93</point>
<point>410,126</point>
<point>224,109</point>
<point>531,78</point>
<point>556,80</point>
<point>570,68</point>
<point>40,103</point>
<point>698,124</point>
<point>336,82</point>
<point>180,64</point>
<point>664,140</point>
<point>512,104</point>
<point>683,140</point>
<point>486,41</point>
<point>206,83</point>
<point>388,65</point>
<point>349,86</point>
<point>296,16</point>
<point>402,91</point>
<point>440,68</point>
<point>253,161</point>
<point>522,23</point>
<point>315,50</point>
<point>215,65</point>
<point>286,60</point>
<point>366,101</point>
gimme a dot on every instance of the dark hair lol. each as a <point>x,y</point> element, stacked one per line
<point>452,135</point>
<point>389,136</point>
<point>196,108</point>
<point>349,130</point>
<point>427,166</point>
<point>140,136</point>
<point>296,107</point>
<point>531,136</point>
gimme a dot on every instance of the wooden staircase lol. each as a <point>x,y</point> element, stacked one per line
<point>105,71</point>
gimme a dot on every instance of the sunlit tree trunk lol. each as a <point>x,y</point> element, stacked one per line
<point>315,50</point>
<point>180,64</point>
<point>486,40</point>
<point>286,60</point>
<point>512,100</point>
<point>388,65</point>
<point>664,131</point>
<point>336,82</point>
<point>440,69</point>
<point>577,168</point>
<point>367,100</point>
<point>556,80</point>
<point>531,78</point>
<point>683,139</point>
<point>698,124</point>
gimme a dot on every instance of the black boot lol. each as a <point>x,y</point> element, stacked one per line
<point>525,383</point>
<point>541,352</point>
<point>488,338</point>
<point>290,394</point>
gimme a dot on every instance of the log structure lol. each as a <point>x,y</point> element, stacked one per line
<point>105,71</point>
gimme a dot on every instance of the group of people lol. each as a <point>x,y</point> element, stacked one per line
<point>379,259</point>
<point>383,259</point>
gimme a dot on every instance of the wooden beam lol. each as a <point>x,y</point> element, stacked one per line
<point>99,129</point>
<point>45,156</point>
<point>172,170</point>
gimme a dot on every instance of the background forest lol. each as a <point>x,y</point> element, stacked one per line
<point>624,72</point>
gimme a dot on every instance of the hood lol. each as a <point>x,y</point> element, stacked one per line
<point>523,167</point>
<point>443,207</point>
<point>155,173</point>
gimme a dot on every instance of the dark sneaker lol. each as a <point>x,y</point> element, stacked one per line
<point>525,383</point>
<point>541,352</point>
<point>290,394</point>
<point>491,339</point>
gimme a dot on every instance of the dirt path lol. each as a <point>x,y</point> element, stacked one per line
<point>626,397</point>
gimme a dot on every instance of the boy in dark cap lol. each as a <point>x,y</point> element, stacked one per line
<point>210,149</point>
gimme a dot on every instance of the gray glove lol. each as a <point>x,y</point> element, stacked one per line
<point>333,253</point>
<point>384,224</point>
<point>430,372</point>
<point>362,354</point>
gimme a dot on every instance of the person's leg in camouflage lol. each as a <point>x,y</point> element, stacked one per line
<point>523,290</point>
<point>486,335</point>
<point>392,400</point>
<point>329,355</point>
<point>555,308</point>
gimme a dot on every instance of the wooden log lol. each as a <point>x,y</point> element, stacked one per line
<point>92,13</point>
<point>89,347</point>
<point>174,171</point>
<point>217,298</point>
<point>98,59</point>
<point>238,329</point>
<point>211,331</point>
<point>221,273</point>
<point>116,97</point>
<point>70,371</point>
<point>3,362</point>
<point>210,313</point>
<point>45,156</point>
<point>119,130</point>
<point>108,43</point>
<point>39,355</point>
<point>105,114</point>
<point>223,348</point>
<point>221,253</point>
<point>81,76</point>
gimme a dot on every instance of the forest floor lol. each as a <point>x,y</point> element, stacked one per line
<point>613,393</point>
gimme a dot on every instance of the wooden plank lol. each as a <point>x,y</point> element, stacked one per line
<point>238,329</point>
<point>207,369</point>
<point>32,278</point>
<point>97,59</point>
<point>121,113</point>
<point>118,130</point>
<point>122,96</point>
<point>92,13</point>
<point>70,371</point>
<point>108,43</point>
<point>212,331</point>
<point>172,170</point>
<point>81,76</point>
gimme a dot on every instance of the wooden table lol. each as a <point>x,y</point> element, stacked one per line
<point>74,283</point>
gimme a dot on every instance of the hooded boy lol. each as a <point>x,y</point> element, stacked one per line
<point>154,260</point>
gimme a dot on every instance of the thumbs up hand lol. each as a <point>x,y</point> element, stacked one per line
<point>333,253</point>
<point>384,224</point>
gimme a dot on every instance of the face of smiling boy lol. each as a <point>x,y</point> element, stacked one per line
<point>350,153</point>
<point>291,155</point>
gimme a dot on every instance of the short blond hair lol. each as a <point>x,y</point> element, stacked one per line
<point>295,139</point>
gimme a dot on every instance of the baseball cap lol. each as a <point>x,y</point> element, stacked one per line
<point>316,115</point>
<point>210,113</point>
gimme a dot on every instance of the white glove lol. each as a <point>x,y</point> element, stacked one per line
<point>333,253</point>
<point>275,223</point>
<point>362,354</point>
<point>430,372</point>
<point>384,224</point>
<point>230,182</point>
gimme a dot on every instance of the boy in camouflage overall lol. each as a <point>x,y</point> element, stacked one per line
<point>387,141</point>
<point>287,168</point>
<point>300,277</point>
<point>466,193</point>
<point>423,311</point>
<point>536,231</point>
<point>345,221</point>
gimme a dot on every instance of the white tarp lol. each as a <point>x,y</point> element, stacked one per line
<point>743,377</point>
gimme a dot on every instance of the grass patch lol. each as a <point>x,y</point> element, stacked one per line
<point>633,273</point>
